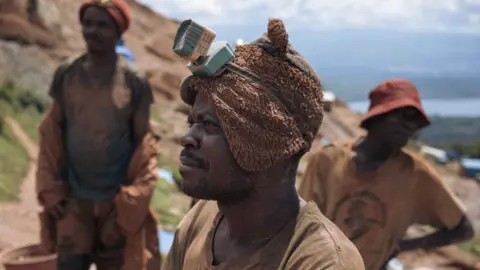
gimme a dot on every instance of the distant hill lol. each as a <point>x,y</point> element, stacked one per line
<point>352,62</point>
<point>452,130</point>
<point>354,83</point>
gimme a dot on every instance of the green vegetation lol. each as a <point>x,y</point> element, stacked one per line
<point>471,150</point>
<point>472,246</point>
<point>452,130</point>
<point>155,114</point>
<point>23,106</point>
<point>13,165</point>
<point>455,133</point>
<point>163,205</point>
<point>26,108</point>
<point>167,198</point>
<point>29,119</point>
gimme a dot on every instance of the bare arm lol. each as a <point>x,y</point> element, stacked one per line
<point>440,208</point>
<point>442,237</point>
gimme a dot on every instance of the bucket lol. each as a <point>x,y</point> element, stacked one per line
<point>29,257</point>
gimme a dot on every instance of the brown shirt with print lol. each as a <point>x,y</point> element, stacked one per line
<point>375,209</point>
<point>309,242</point>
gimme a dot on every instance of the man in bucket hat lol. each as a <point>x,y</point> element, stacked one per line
<point>373,188</point>
<point>249,126</point>
<point>97,162</point>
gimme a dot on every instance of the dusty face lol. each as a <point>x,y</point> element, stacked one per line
<point>208,168</point>
<point>99,30</point>
<point>395,128</point>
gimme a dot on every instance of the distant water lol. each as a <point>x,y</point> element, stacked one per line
<point>441,107</point>
<point>165,239</point>
<point>166,175</point>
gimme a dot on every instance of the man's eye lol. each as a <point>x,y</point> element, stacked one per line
<point>102,24</point>
<point>208,123</point>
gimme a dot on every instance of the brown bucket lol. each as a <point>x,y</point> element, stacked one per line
<point>28,258</point>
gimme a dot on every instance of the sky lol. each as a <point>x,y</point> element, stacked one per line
<point>452,16</point>
<point>354,44</point>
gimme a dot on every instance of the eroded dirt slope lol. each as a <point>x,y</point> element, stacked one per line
<point>44,39</point>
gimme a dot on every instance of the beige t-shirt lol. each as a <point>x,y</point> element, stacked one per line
<point>309,242</point>
<point>375,209</point>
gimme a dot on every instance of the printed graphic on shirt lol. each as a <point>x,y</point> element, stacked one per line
<point>360,213</point>
<point>362,216</point>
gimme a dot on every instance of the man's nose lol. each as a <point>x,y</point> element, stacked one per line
<point>190,138</point>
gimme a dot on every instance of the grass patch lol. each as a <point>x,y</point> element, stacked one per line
<point>29,119</point>
<point>22,105</point>
<point>162,204</point>
<point>155,114</point>
<point>27,109</point>
<point>167,198</point>
<point>13,165</point>
<point>472,246</point>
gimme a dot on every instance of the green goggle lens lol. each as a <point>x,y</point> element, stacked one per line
<point>195,43</point>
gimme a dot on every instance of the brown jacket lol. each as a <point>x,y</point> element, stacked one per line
<point>132,203</point>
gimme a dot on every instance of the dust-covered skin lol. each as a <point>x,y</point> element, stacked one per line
<point>395,128</point>
<point>208,168</point>
<point>99,29</point>
<point>254,218</point>
<point>261,219</point>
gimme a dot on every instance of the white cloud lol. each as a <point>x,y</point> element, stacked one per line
<point>440,15</point>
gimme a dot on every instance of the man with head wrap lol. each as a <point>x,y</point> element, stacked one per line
<point>248,130</point>
<point>374,189</point>
<point>97,162</point>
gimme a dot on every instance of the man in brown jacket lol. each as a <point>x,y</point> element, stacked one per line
<point>374,189</point>
<point>248,130</point>
<point>97,163</point>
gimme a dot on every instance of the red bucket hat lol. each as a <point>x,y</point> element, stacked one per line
<point>118,9</point>
<point>394,94</point>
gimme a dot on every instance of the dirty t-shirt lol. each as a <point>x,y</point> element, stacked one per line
<point>98,131</point>
<point>375,209</point>
<point>309,242</point>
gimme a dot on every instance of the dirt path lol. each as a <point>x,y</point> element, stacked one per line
<point>19,222</point>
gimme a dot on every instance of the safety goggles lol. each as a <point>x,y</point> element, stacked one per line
<point>209,58</point>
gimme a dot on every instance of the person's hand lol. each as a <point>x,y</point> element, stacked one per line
<point>57,211</point>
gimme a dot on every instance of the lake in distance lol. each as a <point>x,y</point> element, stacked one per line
<point>465,107</point>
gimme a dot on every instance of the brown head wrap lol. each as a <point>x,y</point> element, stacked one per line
<point>118,9</point>
<point>268,120</point>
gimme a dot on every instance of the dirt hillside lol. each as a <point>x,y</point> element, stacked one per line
<point>36,36</point>
<point>43,37</point>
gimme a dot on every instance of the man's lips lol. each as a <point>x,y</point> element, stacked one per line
<point>189,162</point>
